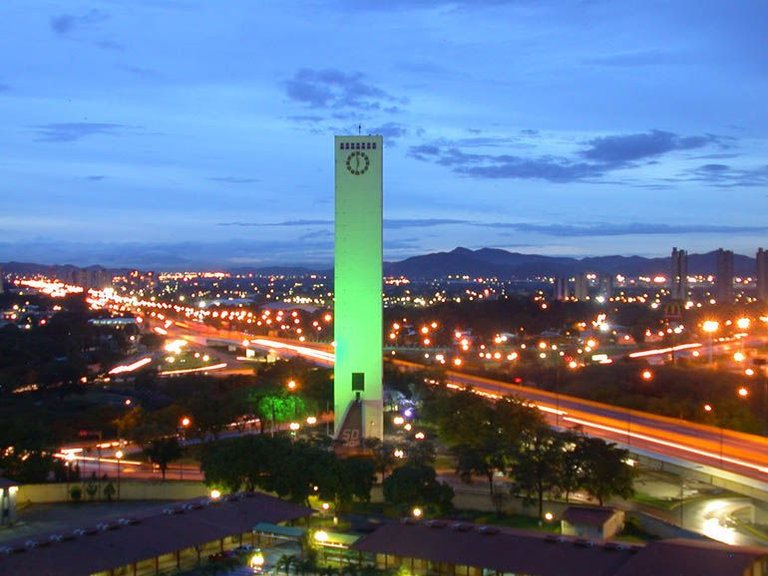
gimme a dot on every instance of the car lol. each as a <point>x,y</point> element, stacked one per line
<point>220,556</point>
<point>244,549</point>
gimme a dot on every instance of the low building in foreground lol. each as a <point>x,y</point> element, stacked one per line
<point>460,549</point>
<point>592,522</point>
<point>8,491</point>
<point>160,540</point>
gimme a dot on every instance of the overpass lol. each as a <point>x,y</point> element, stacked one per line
<point>730,459</point>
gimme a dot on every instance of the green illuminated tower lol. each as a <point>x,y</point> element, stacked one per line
<point>357,289</point>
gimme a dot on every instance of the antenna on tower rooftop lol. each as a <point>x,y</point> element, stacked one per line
<point>359,129</point>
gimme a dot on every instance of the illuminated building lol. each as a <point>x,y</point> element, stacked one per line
<point>678,275</point>
<point>581,288</point>
<point>724,276</point>
<point>2,280</point>
<point>762,274</point>
<point>606,286</point>
<point>561,289</point>
<point>358,405</point>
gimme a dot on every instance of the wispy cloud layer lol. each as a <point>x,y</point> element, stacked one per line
<point>65,24</point>
<point>603,155</point>
<point>622,149</point>
<point>626,229</point>
<point>394,224</point>
<point>333,89</point>
<point>71,131</point>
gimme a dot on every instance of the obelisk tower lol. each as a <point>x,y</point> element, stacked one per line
<point>357,389</point>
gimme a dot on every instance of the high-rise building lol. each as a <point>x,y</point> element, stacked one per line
<point>762,275</point>
<point>2,281</point>
<point>606,286</point>
<point>357,388</point>
<point>724,276</point>
<point>678,275</point>
<point>581,287</point>
<point>561,288</point>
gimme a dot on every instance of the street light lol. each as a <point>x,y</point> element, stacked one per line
<point>119,455</point>
<point>709,409</point>
<point>743,392</point>
<point>647,375</point>
<point>710,327</point>
<point>292,385</point>
<point>184,423</point>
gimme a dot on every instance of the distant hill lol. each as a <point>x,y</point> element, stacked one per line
<point>510,265</point>
<point>59,270</point>
<point>485,262</point>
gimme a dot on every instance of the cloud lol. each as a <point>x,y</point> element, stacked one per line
<point>489,166</point>
<point>631,147</point>
<point>389,223</point>
<point>141,72</point>
<point>233,179</point>
<point>286,223</point>
<point>95,178</point>
<point>602,156</point>
<point>396,224</point>
<point>334,89</point>
<point>726,176</point>
<point>390,130</point>
<point>626,229</point>
<point>71,131</point>
<point>639,58</point>
<point>65,24</point>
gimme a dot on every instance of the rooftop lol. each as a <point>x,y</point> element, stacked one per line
<point>118,542</point>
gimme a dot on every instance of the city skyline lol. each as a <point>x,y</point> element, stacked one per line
<point>183,134</point>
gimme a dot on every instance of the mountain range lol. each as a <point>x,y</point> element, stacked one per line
<point>506,265</point>
<point>485,262</point>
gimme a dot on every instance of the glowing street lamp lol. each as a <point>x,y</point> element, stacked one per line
<point>743,392</point>
<point>119,456</point>
<point>647,375</point>
<point>292,385</point>
<point>417,512</point>
<point>257,561</point>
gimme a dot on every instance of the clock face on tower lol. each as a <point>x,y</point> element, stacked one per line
<point>358,162</point>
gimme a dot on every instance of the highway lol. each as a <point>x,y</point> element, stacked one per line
<point>709,447</point>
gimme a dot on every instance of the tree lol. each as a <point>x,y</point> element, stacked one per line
<point>536,464</point>
<point>479,432</point>
<point>605,471</point>
<point>357,475</point>
<point>417,484</point>
<point>571,463</point>
<point>162,451</point>
<point>383,454</point>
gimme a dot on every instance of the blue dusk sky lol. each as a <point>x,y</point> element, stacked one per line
<point>175,134</point>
